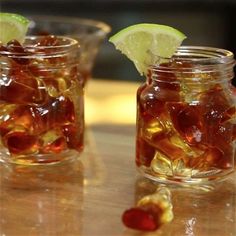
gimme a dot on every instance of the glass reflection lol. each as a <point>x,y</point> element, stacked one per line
<point>41,200</point>
<point>197,211</point>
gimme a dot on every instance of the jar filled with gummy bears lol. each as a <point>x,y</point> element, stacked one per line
<point>41,101</point>
<point>186,117</point>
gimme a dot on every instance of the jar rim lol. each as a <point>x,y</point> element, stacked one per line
<point>34,49</point>
<point>196,59</point>
<point>189,62</point>
<point>203,53</point>
<point>199,56</point>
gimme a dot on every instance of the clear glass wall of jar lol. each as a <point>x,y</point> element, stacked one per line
<point>41,101</point>
<point>186,116</point>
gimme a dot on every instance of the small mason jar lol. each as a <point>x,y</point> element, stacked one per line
<point>186,117</point>
<point>41,101</point>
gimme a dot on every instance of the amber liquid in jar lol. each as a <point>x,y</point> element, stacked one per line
<point>41,101</point>
<point>186,116</point>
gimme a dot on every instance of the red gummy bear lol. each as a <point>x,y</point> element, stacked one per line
<point>140,219</point>
<point>150,212</point>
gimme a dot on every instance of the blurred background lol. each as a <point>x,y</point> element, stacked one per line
<point>205,22</point>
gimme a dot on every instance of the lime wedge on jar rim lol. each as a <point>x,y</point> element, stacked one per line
<point>13,26</point>
<point>144,43</point>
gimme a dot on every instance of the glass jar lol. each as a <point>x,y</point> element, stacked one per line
<point>41,101</point>
<point>186,116</point>
<point>90,34</point>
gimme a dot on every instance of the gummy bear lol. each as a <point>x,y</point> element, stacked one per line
<point>20,142</point>
<point>150,212</point>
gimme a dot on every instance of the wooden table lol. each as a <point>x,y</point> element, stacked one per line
<point>87,197</point>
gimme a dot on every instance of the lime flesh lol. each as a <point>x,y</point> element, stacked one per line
<point>144,43</point>
<point>13,26</point>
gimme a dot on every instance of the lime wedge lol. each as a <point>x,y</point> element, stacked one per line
<point>13,26</point>
<point>144,43</point>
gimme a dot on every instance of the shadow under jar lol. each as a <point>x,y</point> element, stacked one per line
<point>41,101</point>
<point>186,116</point>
